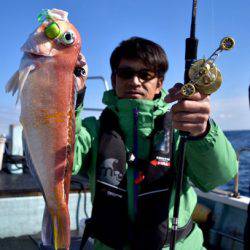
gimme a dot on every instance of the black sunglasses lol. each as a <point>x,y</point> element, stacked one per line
<point>128,73</point>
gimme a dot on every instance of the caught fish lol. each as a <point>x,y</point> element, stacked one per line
<point>45,86</point>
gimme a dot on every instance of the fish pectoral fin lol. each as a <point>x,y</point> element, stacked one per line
<point>12,84</point>
<point>23,75</point>
<point>18,80</point>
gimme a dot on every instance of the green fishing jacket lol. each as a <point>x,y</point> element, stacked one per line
<point>210,161</point>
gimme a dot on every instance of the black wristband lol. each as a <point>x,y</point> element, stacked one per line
<point>80,97</point>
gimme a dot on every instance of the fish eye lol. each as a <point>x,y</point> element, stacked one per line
<point>52,30</point>
<point>68,37</point>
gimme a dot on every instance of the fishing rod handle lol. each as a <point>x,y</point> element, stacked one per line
<point>190,56</point>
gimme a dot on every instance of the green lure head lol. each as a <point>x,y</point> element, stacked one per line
<point>52,31</point>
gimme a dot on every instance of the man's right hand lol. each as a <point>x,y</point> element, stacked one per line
<point>80,81</point>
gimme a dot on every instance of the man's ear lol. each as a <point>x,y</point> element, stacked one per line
<point>159,85</point>
<point>113,80</point>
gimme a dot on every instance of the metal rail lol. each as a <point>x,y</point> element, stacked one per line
<point>236,193</point>
<point>105,82</point>
<point>100,78</point>
<point>93,109</point>
<point>227,236</point>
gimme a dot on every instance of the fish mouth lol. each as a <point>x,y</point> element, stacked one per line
<point>35,55</point>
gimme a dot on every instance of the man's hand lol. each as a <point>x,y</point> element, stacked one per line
<point>80,81</point>
<point>189,114</point>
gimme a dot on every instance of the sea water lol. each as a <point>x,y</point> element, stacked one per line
<point>241,143</point>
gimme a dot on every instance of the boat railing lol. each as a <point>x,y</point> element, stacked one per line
<point>105,82</point>
<point>236,193</point>
<point>100,78</point>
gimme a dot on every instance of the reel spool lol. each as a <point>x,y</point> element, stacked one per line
<point>204,75</point>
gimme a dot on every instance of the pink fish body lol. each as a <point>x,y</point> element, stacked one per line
<point>45,83</point>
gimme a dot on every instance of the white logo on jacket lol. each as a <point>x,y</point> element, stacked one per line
<point>109,172</point>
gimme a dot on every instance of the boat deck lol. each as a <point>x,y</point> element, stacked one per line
<point>31,242</point>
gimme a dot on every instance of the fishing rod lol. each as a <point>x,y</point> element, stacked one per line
<point>202,76</point>
<point>190,57</point>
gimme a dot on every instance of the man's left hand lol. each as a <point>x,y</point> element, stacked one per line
<point>189,113</point>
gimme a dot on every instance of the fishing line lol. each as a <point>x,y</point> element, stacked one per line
<point>212,21</point>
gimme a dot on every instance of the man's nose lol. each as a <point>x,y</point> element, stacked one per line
<point>135,81</point>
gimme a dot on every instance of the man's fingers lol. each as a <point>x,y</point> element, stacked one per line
<point>81,60</point>
<point>172,97</point>
<point>175,88</point>
<point>80,83</point>
<point>190,117</point>
<point>193,128</point>
<point>191,106</point>
<point>196,97</point>
<point>174,93</point>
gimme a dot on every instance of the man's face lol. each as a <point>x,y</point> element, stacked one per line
<point>134,81</point>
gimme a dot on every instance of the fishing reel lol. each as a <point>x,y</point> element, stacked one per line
<point>204,75</point>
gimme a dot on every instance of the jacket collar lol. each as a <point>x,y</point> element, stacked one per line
<point>148,111</point>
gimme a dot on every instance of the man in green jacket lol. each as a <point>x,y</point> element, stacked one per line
<point>138,68</point>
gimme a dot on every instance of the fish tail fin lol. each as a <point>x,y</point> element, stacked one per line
<point>61,227</point>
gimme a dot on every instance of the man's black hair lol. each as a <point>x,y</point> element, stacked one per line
<point>136,48</point>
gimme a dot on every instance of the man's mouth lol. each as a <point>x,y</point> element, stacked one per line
<point>134,92</point>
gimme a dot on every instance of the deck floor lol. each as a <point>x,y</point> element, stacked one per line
<point>31,242</point>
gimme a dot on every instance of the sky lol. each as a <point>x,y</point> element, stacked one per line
<point>104,24</point>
